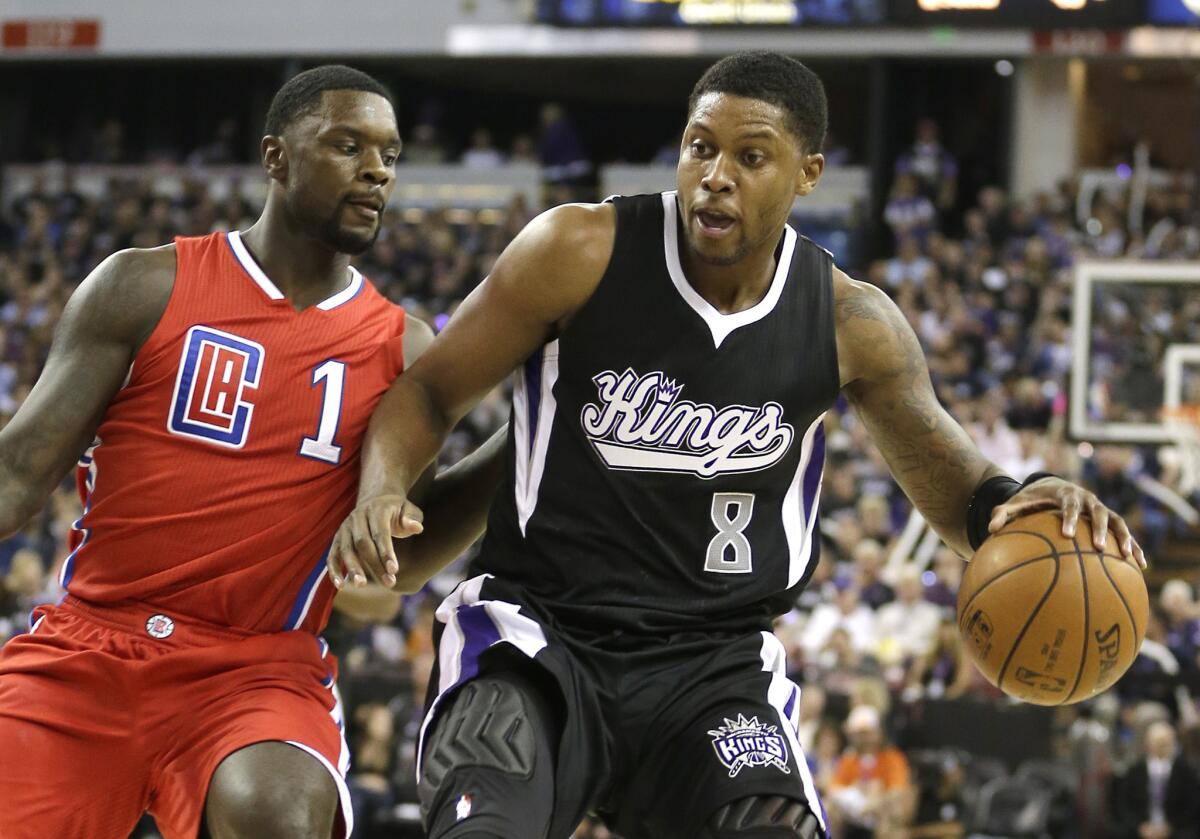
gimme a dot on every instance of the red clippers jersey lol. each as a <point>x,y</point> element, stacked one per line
<point>224,466</point>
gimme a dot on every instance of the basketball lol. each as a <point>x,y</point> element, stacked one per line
<point>1048,619</point>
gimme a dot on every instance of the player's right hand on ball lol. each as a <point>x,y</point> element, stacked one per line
<point>362,549</point>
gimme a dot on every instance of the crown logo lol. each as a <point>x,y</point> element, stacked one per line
<point>668,390</point>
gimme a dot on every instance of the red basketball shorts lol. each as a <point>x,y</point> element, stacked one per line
<point>106,713</point>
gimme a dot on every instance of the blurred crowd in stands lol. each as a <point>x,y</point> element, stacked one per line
<point>873,639</point>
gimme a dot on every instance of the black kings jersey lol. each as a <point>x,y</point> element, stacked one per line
<point>665,459</point>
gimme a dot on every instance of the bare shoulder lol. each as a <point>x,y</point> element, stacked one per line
<point>874,339</point>
<point>418,335</point>
<point>128,291</point>
<point>580,235</point>
<point>555,264</point>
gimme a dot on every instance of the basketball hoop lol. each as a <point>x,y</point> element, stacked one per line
<point>1183,421</point>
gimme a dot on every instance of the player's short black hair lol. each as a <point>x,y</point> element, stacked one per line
<point>771,77</point>
<point>302,93</point>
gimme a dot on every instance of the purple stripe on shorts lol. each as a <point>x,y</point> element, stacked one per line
<point>479,633</point>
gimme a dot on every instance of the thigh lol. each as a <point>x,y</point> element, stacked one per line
<point>725,738</point>
<point>274,690</point>
<point>68,761</point>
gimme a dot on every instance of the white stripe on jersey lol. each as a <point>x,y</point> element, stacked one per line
<point>798,522</point>
<point>531,458</point>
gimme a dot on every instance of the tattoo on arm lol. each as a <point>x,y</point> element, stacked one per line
<point>930,455</point>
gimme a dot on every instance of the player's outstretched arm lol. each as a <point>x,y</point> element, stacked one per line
<point>541,279</point>
<point>937,465</point>
<point>456,506</point>
<point>104,324</point>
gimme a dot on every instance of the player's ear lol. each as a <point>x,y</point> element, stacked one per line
<point>811,167</point>
<point>274,157</point>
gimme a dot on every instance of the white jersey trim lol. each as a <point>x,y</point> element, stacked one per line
<point>798,522</point>
<point>251,267</point>
<point>719,323</point>
<point>533,414</point>
<point>272,291</point>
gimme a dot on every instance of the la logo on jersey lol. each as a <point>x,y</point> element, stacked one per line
<point>642,424</point>
<point>747,742</point>
<point>215,371</point>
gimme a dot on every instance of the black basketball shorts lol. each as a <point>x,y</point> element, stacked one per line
<point>653,739</point>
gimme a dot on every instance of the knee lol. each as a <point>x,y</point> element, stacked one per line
<point>488,767</point>
<point>764,817</point>
<point>265,808</point>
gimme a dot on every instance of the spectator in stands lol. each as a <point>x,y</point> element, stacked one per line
<point>812,715</point>
<point>1157,797</point>
<point>868,567</point>
<point>374,749</point>
<point>875,513</point>
<point>1111,475</point>
<point>560,147</point>
<point>941,589</point>
<point>423,146</point>
<point>21,589</point>
<point>870,794</point>
<point>1182,622</point>
<point>523,150</point>
<point>933,165</point>
<point>995,437</point>
<point>944,672</point>
<point>909,213</point>
<point>909,265</point>
<point>221,150</point>
<point>482,153</point>
<point>828,745</point>
<point>907,628</point>
<point>846,612</point>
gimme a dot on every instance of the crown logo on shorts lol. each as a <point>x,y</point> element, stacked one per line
<point>747,742</point>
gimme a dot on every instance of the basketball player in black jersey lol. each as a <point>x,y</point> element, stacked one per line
<point>675,355</point>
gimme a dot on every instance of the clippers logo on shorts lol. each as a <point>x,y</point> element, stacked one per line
<point>746,742</point>
<point>215,371</point>
<point>642,424</point>
<point>159,626</point>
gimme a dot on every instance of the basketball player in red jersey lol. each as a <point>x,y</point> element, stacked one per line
<point>215,393</point>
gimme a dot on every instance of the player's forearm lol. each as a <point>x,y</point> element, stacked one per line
<point>371,604</point>
<point>406,432</point>
<point>933,460</point>
<point>456,511</point>
<point>21,495</point>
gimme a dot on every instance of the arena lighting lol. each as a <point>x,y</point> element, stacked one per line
<point>987,5</point>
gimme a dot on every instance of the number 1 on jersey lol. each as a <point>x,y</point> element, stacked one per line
<point>731,512</point>
<point>322,447</point>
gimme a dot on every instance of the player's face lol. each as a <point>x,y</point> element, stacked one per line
<point>740,169</point>
<point>342,168</point>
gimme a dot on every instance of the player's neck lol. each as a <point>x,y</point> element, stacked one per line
<point>731,288</point>
<point>306,270</point>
